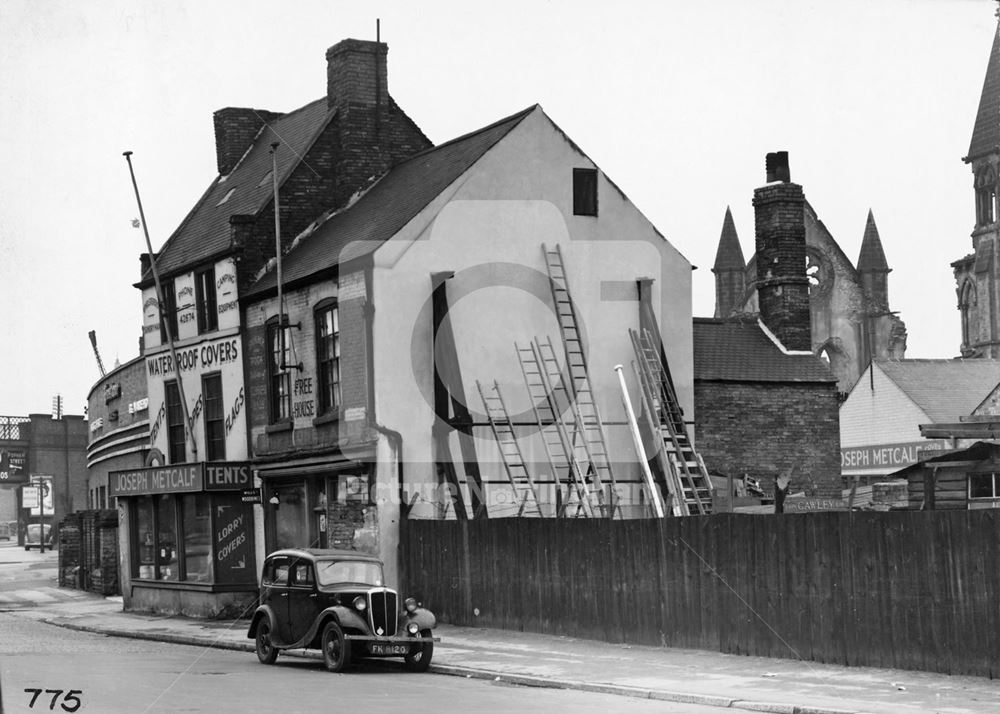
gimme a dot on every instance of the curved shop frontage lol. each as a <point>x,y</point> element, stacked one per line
<point>188,538</point>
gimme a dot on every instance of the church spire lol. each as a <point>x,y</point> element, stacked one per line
<point>729,269</point>
<point>872,257</point>
<point>986,132</point>
<point>873,268</point>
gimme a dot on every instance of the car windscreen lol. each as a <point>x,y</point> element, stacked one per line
<point>330,572</point>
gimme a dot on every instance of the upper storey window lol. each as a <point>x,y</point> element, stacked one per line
<point>584,192</point>
<point>168,312</point>
<point>986,196</point>
<point>204,288</point>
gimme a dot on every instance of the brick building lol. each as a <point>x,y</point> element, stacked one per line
<point>39,446</point>
<point>406,303</point>
<point>765,404</point>
<point>119,426</point>
<point>188,544</point>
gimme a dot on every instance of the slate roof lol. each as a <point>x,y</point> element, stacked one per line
<point>386,207</point>
<point>729,256</point>
<point>205,231</point>
<point>739,351</point>
<point>986,133</point>
<point>945,389</point>
<point>872,257</point>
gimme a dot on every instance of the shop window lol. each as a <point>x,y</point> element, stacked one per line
<point>197,539</point>
<point>204,289</point>
<point>195,556</point>
<point>166,538</point>
<point>328,357</point>
<point>168,312</point>
<point>584,192</point>
<point>175,424</point>
<point>145,536</point>
<point>215,426</point>
<point>280,379</point>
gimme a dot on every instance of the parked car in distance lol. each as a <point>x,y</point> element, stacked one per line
<point>336,601</point>
<point>32,539</point>
<point>8,530</point>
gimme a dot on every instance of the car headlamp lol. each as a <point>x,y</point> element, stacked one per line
<point>360,603</point>
<point>410,604</point>
<point>412,628</point>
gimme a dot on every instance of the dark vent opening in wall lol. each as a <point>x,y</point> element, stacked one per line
<point>584,192</point>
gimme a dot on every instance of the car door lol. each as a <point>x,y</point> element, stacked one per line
<point>303,600</point>
<point>274,592</point>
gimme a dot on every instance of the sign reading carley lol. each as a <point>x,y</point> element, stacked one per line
<point>181,478</point>
<point>885,456</point>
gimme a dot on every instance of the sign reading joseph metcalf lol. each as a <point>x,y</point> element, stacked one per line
<point>181,478</point>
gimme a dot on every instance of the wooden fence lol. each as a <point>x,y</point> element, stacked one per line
<point>909,590</point>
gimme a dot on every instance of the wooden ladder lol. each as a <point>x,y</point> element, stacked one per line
<point>549,402</point>
<point>687,479</point>
<point>525,492</point>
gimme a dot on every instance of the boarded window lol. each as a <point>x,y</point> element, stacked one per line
<point>584,192</point>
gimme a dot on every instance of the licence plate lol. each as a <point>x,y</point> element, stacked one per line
<point>381,648</point>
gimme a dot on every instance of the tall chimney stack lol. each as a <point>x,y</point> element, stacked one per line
<point>235,130</point>
<point>782,283</point>
<point>356,74</point>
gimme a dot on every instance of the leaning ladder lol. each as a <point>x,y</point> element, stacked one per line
<point>587,443</point>
<point>548,409</point>
<point>682,466</point>
<point>525,492</point>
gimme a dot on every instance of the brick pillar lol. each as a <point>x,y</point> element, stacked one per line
<point>782,284</point>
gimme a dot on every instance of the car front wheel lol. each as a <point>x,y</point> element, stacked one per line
<point>336,648</point>
<point>266,651</point>
<point>418,659</point>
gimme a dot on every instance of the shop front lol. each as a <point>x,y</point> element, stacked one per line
<point>189,538</point>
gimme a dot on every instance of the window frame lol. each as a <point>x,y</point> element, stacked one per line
<point>214,417</point>
<point>206,301</point>
<point>172,402</point>
<point>279,404</point>
<point>329,384</point>
<point>585,199</point>
<point>168,311</point>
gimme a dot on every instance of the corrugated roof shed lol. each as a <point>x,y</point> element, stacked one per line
<point>945,389</point>
<point>386,207</point>
<point>739,351</point>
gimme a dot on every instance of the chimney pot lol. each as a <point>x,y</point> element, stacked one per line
<point>356,74</point>
<point>776,164</point>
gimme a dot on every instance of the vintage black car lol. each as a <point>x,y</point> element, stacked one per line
<point>336,601</point>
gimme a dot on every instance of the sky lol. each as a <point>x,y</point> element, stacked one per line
<point>677,102</point>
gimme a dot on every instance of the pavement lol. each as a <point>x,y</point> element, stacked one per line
<point>688,676</point>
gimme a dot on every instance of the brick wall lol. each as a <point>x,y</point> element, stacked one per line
<point>765,429</point>
<point>782,285</point>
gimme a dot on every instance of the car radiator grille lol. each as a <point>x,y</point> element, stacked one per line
<point>383,608</point>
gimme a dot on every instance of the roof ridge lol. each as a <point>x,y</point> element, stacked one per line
<point>516,115</point>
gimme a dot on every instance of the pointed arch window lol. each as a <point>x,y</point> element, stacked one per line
<point>967,306</point>
<point>986,196</point>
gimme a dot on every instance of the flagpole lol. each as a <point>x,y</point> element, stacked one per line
<point>188,433</point>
